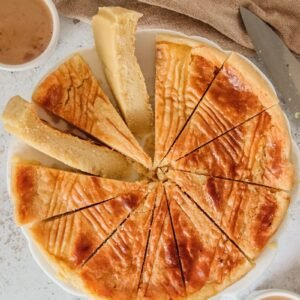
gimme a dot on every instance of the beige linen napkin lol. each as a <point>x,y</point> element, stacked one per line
<point>218,20</point>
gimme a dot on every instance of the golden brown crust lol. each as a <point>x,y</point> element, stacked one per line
<point>248,214</point>
<point>21,120</point>
<point>210,261</point>
<point>73,93</point>
<point>258,151</point>
<point>39,193</point>
<point>232,99</point>
<point>114,271</point>
<point>184,70</point>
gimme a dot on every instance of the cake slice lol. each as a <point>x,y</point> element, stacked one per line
<point>210,261</point>
<point>73,93</point>
<point>238,93</point>
<point>114,33</point>
<point>159,214</point>
<point>162,277</point>
<point>114,271</point>
<point>184,70</point>
<point>258,151</point>
<point>70,240</point>
<point>20,119</point>
<point>248,214</point>
<point>40,193</point>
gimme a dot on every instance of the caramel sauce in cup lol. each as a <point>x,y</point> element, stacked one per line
<point>26,28</point>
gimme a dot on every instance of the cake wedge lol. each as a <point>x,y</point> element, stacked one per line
<point>184,70</point>
<point>114,33</point>
<point>20,119</point>
<point>165,279</point>
<point>258,151</point>
<point>248,214</point>
<point>71,240</point>
<point>40,193</point>
<point>238,93</point>
<point>159,215</point>
<point>114,270</point>
<point>210,261</point>
<point>72,93</point>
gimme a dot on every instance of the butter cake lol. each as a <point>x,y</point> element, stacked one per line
<point>200,216</point>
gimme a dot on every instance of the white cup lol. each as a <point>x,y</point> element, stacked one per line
<point>47,52</point>
<point>265,294</point>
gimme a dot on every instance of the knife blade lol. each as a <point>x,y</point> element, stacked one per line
<point>281,65</point>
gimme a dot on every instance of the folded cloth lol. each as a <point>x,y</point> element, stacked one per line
<point>217,20</point>
<point>224,16</point>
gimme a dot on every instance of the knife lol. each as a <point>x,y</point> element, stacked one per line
<point>280,63</point>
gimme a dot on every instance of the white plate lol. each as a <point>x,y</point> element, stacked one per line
<point>145,51</point>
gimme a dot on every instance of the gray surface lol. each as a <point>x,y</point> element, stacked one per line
<point>20,277</point>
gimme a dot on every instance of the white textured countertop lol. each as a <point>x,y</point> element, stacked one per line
<point>20,276</point>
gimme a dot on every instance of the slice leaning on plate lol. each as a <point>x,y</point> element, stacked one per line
<point>238,93</point>
<point>70,240</point>
<point>258,151</point>
<point>210,261</point>
<point>114,33</point>
<point>114,271</point>
<point>40,193</point>
<point>21,119</point>
<point>73,93</point>
<point>184,70</point>
<point>248,214</point>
